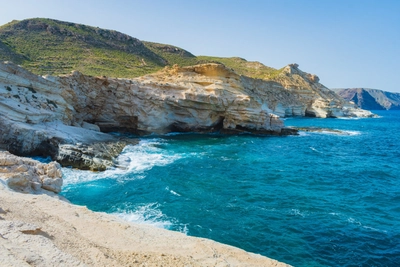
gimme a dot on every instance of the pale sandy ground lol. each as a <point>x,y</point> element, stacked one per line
<point>40,230</point>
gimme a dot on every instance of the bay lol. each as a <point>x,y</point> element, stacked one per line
<point>317,199</point>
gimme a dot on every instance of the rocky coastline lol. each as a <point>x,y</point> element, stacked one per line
<point>74,118</point>
<point>49,115</point>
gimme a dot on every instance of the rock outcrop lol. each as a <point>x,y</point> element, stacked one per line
<point>95,156</point>
<point>28,175</point>
<point>203,98</point>
<point>296,93</point>
<point>371,99</point>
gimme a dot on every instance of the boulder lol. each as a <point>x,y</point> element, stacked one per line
<point>96,156</point>
<point>29,176</point>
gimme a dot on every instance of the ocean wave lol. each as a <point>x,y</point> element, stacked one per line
<point>146,214</point>
<point>134,159</point>
<point>151,214</point>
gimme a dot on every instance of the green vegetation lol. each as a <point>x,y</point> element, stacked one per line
<point>252,69</point>
<point>172,54</point>
<point>46,46</point>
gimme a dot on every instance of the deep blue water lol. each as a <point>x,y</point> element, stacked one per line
<point>318,199</point>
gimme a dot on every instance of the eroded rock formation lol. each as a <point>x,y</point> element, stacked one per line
<point>202,98</point>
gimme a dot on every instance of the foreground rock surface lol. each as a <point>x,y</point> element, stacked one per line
<point>39,230</point>
<point>28,175</point>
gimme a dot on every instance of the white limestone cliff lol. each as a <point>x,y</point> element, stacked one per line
<point>297,93</point>
<point>39,113</point>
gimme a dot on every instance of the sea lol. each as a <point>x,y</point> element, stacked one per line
<point>325,198</point>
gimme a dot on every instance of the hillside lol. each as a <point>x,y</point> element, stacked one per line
<point>371,99</point>
<point>46,46</point>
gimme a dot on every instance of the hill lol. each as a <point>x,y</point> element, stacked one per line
<point>371,99</point>
<point>46,46</point>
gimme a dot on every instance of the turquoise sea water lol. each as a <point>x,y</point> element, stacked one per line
<point>317,199</point>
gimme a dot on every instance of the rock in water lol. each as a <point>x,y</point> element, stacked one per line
<point>28,175</point>
<point>95,157</point>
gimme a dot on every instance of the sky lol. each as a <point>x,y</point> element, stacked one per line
<point>347,43</point>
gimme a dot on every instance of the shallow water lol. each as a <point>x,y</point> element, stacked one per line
<point>317,199</point>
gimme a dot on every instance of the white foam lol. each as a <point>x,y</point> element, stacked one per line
<point>353,221</point>
<point>352,132</point>
<point>374,229</point>
<point>134,159</point>
<point>313,149</point>
<point>301,133</point>
<point>339,132</point>
<point>146,214</point>
<point>356,222</point>
<point>349,118</point>
<point>150,214</point>
<point>296,212</point>
<point>172,191</point>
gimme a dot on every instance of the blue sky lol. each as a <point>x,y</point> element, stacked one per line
<point>347,43</point>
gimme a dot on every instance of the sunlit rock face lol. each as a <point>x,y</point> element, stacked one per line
<point>202,98</point>
<point>297,93</point>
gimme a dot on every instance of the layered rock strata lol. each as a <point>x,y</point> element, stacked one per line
<point>38,114</point>
<point>204,98</point>
<point>296,93</point>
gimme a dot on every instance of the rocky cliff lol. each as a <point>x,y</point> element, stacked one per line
<point>296,93</point>
<point>371,99</point>
<point>42,114</point>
